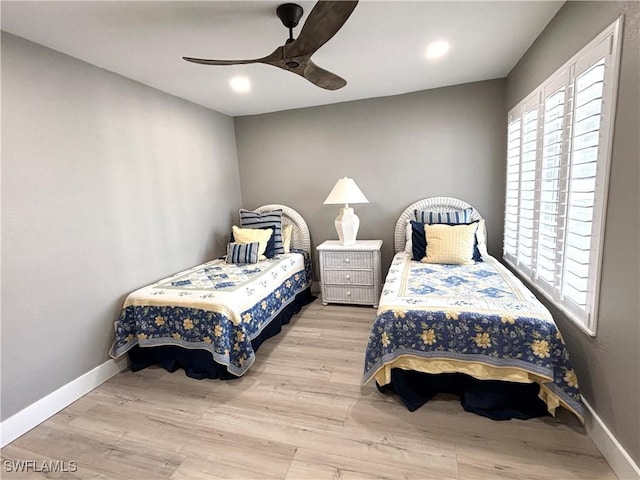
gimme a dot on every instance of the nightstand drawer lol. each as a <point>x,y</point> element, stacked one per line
<point>348,277</point>
<point>335,293</point>
<point>347,259</point>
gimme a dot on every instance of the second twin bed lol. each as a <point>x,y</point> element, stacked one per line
<point>465,325</point>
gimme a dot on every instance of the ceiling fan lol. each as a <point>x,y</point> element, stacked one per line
<point>323,22</point>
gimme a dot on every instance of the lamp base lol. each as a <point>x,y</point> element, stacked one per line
<point>347,224</point>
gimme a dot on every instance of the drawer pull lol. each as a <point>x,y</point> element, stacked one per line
<point>348,277</point>
<point>348,294</point>
<point>346,260</point>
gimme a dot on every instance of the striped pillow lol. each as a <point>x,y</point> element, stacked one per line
<point>452,217</point>
<point>242,252</point>
<point>249,219</point>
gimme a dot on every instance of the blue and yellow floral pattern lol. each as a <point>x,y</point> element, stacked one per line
<point>443,318</point>
<point>216,306</point>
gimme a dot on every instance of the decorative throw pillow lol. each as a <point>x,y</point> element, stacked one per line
<point>408,245</point>
<point>481,239</point>
<point>450,244</point>
<point>454,217</point>
<point>418,241</point>
<point>287,233</point>
<point>243,252</point>
<point>249,235</point>
<point>270,251</point>
<point>249,219</point>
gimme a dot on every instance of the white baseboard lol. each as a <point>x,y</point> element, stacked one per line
<point>36,413</point>
<point>621,462</point>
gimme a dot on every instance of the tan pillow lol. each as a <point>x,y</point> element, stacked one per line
<point>287,232</point>
<point>450,244</point>
<point>249,235</point>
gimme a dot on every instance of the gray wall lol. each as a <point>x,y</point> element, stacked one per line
<point>608,365</point>
<point>107,185</point>
<point>399,149</point>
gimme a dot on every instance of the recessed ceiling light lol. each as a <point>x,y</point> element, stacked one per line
<point>240,84</point>
<point>437,49</point>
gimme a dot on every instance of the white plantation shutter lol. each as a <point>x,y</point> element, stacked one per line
<point>527,193</point>
<point>519,225</point>
<point>553,182</point>
<point>513,186</point>
<point>558,155</point>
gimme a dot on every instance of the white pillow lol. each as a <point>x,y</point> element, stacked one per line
<point>481,236</point>
<point>408,246</point>
<point>287,233</point>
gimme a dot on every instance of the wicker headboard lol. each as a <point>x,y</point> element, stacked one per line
<point>300,237</point>
<point>434,204</point>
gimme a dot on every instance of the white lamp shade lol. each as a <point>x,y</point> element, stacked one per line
<point>346,191</point>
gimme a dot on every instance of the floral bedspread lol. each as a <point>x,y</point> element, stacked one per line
<point>477,319</point>
<point>215,306</point>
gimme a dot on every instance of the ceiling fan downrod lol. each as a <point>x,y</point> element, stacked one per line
<point>290,14</point>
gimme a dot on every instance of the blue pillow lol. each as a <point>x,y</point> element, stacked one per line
<point>419,241</point>
<point>249,219</point>
<point>242,252</point>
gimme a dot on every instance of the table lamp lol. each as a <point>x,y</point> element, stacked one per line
<point>347,222</point>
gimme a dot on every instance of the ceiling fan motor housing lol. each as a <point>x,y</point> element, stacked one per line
<point>289,14</point>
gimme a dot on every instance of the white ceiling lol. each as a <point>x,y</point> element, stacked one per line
<point>379,51</point>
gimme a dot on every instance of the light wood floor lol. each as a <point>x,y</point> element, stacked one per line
<point>300,412</point>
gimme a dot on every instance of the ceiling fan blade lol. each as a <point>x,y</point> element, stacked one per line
<point>273,57</point>
<point>323,22</point>
<point>322,78</point>
<point>205,61</point>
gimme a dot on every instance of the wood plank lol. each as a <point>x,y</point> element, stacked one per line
<point>319,465</point>
<point>100,451</point>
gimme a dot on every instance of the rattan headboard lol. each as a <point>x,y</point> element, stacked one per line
<point>434,204</point>
<point>300,237</point>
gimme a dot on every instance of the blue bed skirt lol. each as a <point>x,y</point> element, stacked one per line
<point>497,400</point>
<point>200,364</point>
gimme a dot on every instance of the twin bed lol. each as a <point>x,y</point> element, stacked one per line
<point>472,329</point>
<point>469,328</point>
<point>211,319</point>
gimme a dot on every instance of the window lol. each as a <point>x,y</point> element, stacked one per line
<point>558,156</point>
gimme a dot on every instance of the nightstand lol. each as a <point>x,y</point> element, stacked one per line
<point>351,273</point>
